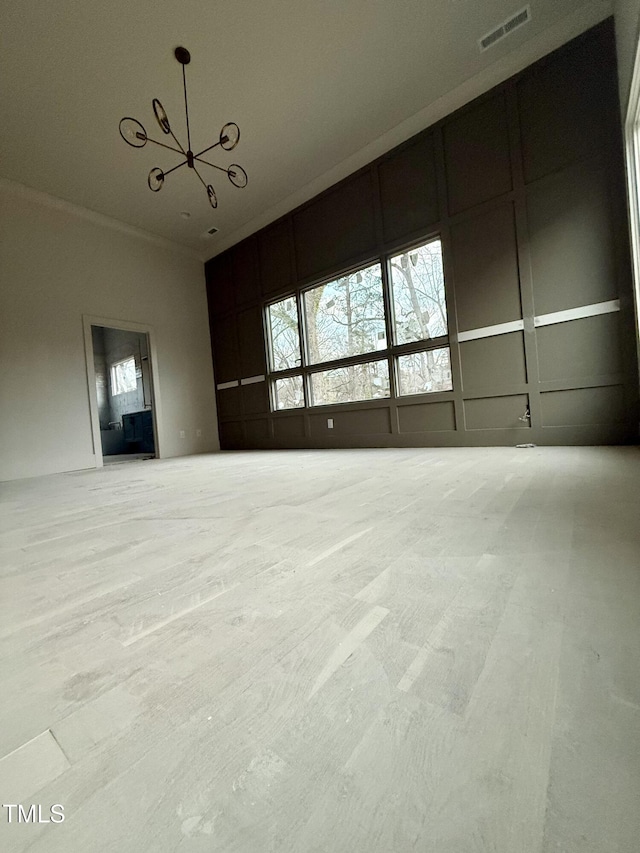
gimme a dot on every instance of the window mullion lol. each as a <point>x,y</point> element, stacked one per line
<point>349,361</point>
<point>387,298</point>
<point>304,359</point>
<point>421,346</point>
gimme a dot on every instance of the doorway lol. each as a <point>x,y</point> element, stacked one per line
<point>120,374</point>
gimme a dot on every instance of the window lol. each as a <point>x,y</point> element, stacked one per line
<point>341,353</point>
<point>284,353</point>
<point>420,315</point>
<point>417,283</point>
<point>123,376</point>
<point>350,383</point>
<point>288,393</point>
<point>424,372</point>
<point>345,317</point>
<point>284,334</point>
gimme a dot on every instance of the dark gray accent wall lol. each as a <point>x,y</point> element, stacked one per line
<point>525,187</point>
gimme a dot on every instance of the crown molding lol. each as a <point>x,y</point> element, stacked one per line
<point>572,25</point>
<point>100,219</point>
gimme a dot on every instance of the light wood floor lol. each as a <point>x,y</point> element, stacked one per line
<point>367,651</point>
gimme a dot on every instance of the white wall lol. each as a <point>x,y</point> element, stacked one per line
<point>627,17</point>
<point>55,266</point>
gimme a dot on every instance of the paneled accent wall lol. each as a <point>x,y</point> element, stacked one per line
<point>525,189</point>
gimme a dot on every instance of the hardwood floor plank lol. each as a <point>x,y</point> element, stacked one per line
<point>28,768</point>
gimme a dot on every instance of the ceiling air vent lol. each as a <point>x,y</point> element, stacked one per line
<point>505,28</point>
<point>212,231</point>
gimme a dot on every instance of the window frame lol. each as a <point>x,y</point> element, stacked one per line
<point>391,353</point>
<point>273,394</point>
<point>405,250</point>
<point>332,278</point>
<point>272,373</point>
<point>268,336</point>
<point>396,363</point>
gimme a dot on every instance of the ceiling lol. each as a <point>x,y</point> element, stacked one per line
<point>317,88</point>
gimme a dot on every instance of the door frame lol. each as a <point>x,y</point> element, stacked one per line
<point>632,157</point>
<point>89,320</point>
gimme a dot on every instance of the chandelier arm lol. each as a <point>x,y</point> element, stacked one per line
<point>177,141</point>
<point>155,142</point>
<point>186,106</point>
<point>202,181</point>
<point>204,151</point>
<point>213,165</point>
<point>184,163</point>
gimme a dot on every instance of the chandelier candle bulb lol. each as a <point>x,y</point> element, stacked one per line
<point>134,134</point>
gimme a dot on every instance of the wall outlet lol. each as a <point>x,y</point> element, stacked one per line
<point>329,423</point>
<point>183,434</point>
<point>198,433</point>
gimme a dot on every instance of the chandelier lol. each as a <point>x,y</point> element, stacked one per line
<point>135,135</point>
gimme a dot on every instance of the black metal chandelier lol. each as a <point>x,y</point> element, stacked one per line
<point>135,135</point>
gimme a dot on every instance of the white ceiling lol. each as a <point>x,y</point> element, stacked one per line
<point>317,88</point>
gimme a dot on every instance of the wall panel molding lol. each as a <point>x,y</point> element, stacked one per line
<point>594,310</point>
<point>491,331</point>
<point>526,224</point>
